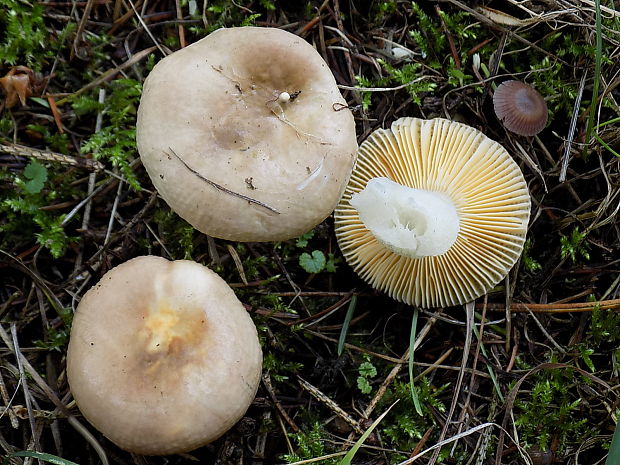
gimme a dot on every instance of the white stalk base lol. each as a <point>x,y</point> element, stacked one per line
<point>415,223</point>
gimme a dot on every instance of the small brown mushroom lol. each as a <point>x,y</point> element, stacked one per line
<point>435,212</point>
<point>520,108</point>
<point>245,134</point>
<point>163,358</point>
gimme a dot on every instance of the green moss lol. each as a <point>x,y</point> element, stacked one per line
<point>24,40</point>
<point>116,141</point>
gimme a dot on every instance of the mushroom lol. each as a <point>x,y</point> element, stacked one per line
<point>246,135</point>
<point>163,358</point>
<point>435,212</point>
<point>520,108</point>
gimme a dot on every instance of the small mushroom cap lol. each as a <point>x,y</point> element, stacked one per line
<point>229,152</point>
<point>520,108</point>
<point>163,358</point>
<point>462,165</point>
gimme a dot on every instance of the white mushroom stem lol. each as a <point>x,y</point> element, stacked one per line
<point>415,223</point>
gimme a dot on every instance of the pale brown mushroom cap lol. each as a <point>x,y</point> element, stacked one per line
<point>461,164</point>
<point>163,358</point>
<point>520,108</point>
<point>229,152</point>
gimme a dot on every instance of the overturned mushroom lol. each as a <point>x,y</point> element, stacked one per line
<point>163,358</point>
<point>245,134</point>
<point>435,212</point>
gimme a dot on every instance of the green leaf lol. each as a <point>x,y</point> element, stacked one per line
<point>43,456</point>
<point>40,101</point>
<point>302,241</point>
<point>614,449</point>
<point>314,263</point>
<point>331,265</point>
<point>363,385</point>
<point>414,394</point>
<point>345,324</point>
<point>367,370</point>
<point>36,174</point>
<point>250,20</point>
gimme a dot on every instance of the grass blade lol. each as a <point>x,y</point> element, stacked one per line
<point>42,456</point>
<point>345,324</point>
<point>489,367</point>
<point>346,460</point>
<point>597,71</point>
<point>613,457</point>
<point>414,328</point>
<point>606,145</point>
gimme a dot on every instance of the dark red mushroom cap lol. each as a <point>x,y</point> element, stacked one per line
<point>520,108</point>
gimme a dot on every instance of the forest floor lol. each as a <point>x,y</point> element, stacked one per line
<point>540,384</point>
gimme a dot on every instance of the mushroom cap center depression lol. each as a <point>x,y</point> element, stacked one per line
<point>411,222</point>
<point>527,102</point>
<point>167,330</point>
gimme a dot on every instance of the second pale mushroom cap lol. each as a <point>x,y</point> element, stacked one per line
<point>226,148</point>
<point>435,212</point>
<point>163,358</point>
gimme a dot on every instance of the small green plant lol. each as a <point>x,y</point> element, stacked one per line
<point>35,175</point>
<point>176,233</point>
<point>53,140</point>
<point>380,10</point>
<point>25,38</point>
<point>574,246</point>
<point>310,444</point>
<point>529,263</point>
<point>366,372</point>
<point>586,355</point>
<point>432,40</point>
<point>409,75</point>
<point>57,338</point>
<point>21,212</point>
<point>303,240</point>
<point>315,261</point>
<point>407,427</point>
<point>279,370</point>
<point>224,13</point>
<point>268,5</point>
<point>116,141</point>
<point>552,411</point>
<point>604,327</point>
<point>368,83</point>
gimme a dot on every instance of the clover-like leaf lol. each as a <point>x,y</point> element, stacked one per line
<point>314,263</point>
<point>36,175</point>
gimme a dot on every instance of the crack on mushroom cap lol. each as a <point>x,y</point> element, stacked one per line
<point>486,187</point>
